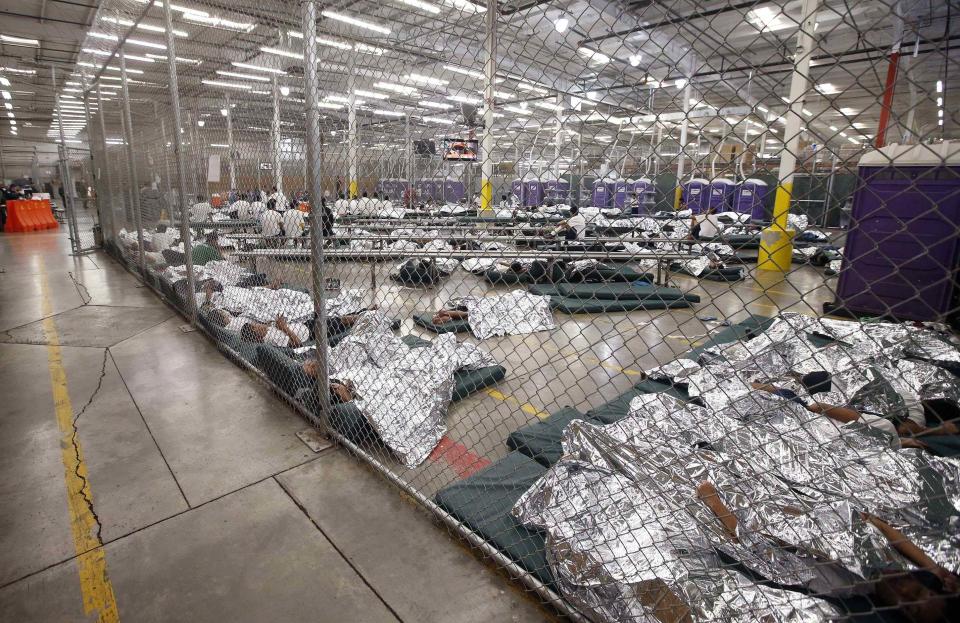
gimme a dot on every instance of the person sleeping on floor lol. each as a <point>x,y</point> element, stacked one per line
<point>910,428</point>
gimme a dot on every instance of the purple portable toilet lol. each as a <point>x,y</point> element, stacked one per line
<point>602,193</point>
<point>453,190</point>
<point>903,249</point>
<point>751,197</point>
<point>643,190</point>
<point>558,191</point>
<point>533,193</point>
<point>721,194</point>
<point>620,190</point>
<point>517,190</point>
<point>696,195</point>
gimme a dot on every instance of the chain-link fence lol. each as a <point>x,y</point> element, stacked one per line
<point>652,304</point>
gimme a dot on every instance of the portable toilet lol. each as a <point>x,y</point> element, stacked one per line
<point>453,190</point>
<point>721,194</point>
<point>621,193</point>
<point>558,191</point>
<point>901,254</point>
<point>602,193</point>
<point>517,190</point>
<point>695,195</point>
<point>751,198</point>
<point>645,193</point>
<point>533,191</point>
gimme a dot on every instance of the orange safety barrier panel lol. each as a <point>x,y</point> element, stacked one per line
<point>25,215</point>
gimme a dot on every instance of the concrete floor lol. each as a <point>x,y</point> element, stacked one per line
<point>118,427</point>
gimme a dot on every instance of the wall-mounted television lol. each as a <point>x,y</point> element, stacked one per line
<point>463,149</point>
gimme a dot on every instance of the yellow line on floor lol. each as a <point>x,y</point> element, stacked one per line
<point>526,407</point>
<point>95,586</point>
<point>588,358</point>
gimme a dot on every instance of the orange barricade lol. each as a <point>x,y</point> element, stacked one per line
<point>29,215</point>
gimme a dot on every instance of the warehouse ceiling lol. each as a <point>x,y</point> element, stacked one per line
<point>614,75</point>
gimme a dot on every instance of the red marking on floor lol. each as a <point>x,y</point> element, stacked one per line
<point>458,457</point>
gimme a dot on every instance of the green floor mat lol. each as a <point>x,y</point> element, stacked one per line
<point>541,440</point>
<point>716,274</point>
<point>283,371</point>
<point>483,502</point>
<point>622,292</point>
<point>942,445</point>
<point>619,407</point>
<point>754,325</point>
<point>425,320</point>
<point>498,278</point>
<point>596,306</point>
<point>347,419</point>
<point>622,274</point>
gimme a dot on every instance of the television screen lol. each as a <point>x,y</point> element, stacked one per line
<point>424,148</point>
<point>460,149</point>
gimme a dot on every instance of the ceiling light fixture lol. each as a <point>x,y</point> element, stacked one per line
<point>233,74</point>
<point>270,70</point>
<point>353,21</point>
<point>562,24</point>
<point>11,40</point>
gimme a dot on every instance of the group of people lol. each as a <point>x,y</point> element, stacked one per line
<point>796,482</point>
<point>365,205</point>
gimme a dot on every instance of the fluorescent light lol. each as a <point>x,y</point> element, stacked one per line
<point>337,98</point>
<point>201,123</point>
<point>939,112</point>
<point>593,56</point>
<point>219,145</point>
<point>517,110</point>
<point>219,22</point>
<point>370,94</point>
<point>225,85</point>
<point>11,40</point>
<point>806,112</point>
<point>368,49</point>
<point>127,57</point>
<point>549,106</point>
<point>179,59</point>
<point>284,90</point>
<point>465,5</point>
<point>14,70</point>
<point>635,59</point>
<point>103,35</point>
<point>437,105</point>
<point>8,105</point>
<point>834,128</point>
<point>279,52</point>
<point>4,81</point>
<point>234,74</point>
<point>329,105</point>
<point>145,44</point>
<point>463,99</point>
<point>853,140</point>
<point>387,113</point>
<point>524,86</point>
<point>353,21</point>
<point>849,112</point>
<point>827,88</point>
<point>258,68</point>
<point>142,26</point>
<point>423,6</point>
<point>762,109</point>
<point>421,79</point>
<point>439,120</point>
<point>939,100</point>
<point>767,19</point>
<point>397,88</point>
<point>939,86</point>
<point>466,72</point>
<point>6,95</point>
<point>562,24</point>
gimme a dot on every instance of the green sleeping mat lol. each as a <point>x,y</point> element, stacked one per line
<point>717,274</point>
<point>597,306</point>
<point>754,325</point>
<point>541,440</point>
<point>622,292</point>
<point>347,419</point>
<point>425,320</point>
<point>484,501</point>
<point>619,407</point>
<point>231,339</point>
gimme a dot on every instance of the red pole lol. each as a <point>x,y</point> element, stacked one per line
<point>894,61</point>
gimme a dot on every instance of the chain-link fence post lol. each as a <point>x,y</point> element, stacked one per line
<point>183,202</point>
<point>314,158</point>
<point>131,161</point>
<point>167,180</point>
<point>64,164</point>
<point>276,141</point>
<point>93,164</point>
<point>104,189</point>
<point>776,244</point>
